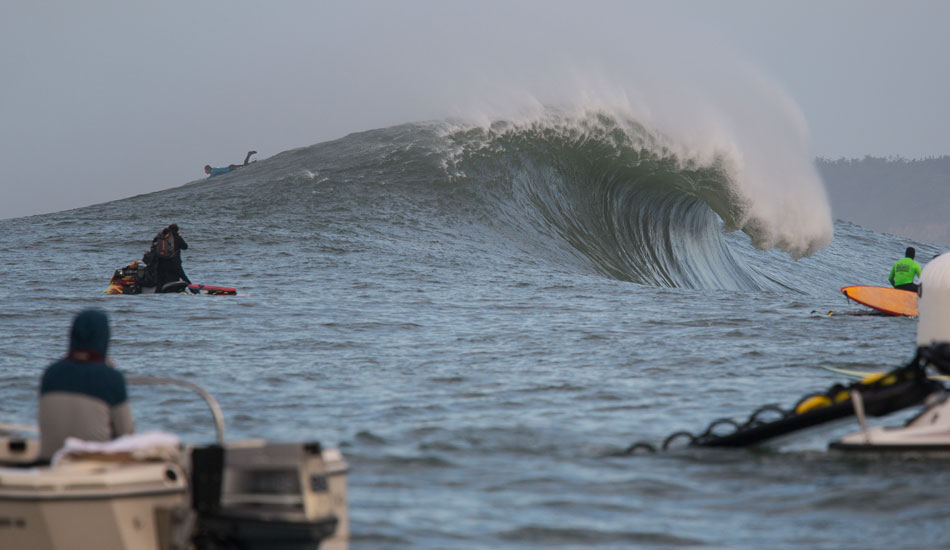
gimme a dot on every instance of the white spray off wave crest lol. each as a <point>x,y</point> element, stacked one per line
<point>736,118</point>
<point>706,114</point>
<point>788,204</point>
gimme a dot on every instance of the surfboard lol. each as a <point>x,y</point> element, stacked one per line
<point>884,299</point>
<point>211,289</point>
<point>856,373</point>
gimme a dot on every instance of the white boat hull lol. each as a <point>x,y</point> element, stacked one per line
<point>93,505</point>
<point>249,494</point>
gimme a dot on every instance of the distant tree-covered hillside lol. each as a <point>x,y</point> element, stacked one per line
<point>903,197</point>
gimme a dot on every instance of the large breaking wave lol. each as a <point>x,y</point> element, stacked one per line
<point>590,190</point>
<point>631,202</point>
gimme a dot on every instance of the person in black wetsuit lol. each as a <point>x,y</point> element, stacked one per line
<point>163,270</point>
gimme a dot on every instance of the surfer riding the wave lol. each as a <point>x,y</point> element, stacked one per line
<point>212,172</point>
<point>904,270</point>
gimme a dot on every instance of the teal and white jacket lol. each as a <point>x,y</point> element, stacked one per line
<point>80,395</point>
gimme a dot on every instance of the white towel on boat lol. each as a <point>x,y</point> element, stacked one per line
<point>153,445</point>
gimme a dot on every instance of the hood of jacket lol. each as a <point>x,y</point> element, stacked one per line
<point>90,332</point>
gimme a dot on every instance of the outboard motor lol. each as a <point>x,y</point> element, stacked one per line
<point>933,320</point>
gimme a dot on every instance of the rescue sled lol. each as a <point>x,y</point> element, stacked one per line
<point>211,289</point>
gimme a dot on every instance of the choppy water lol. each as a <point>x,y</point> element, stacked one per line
<point>483,319</point>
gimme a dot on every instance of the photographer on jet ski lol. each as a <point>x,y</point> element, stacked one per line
<point>81,395</point>
<point>164,257</point>
<point>903,272</point>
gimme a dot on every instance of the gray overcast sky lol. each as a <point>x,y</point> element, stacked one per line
<point>105,100</point>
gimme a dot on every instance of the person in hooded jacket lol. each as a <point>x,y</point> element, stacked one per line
<point>81,395</point>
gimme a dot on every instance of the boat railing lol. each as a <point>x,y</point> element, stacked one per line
<point>7,427</point>
<point>208,398</point>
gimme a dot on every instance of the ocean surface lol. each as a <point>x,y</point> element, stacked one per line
<point>484,317</point>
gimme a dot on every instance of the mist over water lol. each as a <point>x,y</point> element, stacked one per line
<point>693,100</point>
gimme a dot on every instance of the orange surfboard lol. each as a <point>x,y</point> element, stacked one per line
<point>884,299</point>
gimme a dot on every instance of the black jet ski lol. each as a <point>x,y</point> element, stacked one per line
<point>135,278</point>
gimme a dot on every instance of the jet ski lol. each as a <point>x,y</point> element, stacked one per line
<point>149,492</point>
<point>136,279</point>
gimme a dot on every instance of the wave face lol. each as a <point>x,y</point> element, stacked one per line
<point>590,192</point>
<point>593,190</point>
<point>620,199</point>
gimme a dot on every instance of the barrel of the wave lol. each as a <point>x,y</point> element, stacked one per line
<point>933,320</point>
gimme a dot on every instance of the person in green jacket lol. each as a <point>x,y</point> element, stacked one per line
<point>904,270</point>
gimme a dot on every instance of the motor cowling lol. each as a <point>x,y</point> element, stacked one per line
<point>933,317</point>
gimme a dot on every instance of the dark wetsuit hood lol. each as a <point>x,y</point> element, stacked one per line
<point>90,332</point>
